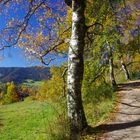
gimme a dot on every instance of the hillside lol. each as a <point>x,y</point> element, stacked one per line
<point>20,74</point>
<point>32,122</point>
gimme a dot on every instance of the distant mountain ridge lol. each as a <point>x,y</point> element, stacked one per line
<point>21,74</point>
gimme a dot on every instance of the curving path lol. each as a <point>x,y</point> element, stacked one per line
<point>127,123</point>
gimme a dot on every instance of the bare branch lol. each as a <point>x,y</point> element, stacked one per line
<point>24,24</point>
<point>98,75</point>
<point>95,24</point>
<point>64,81</point>
<point>46,63</point>
<point>52,48</point>
<point>5,2</point>
<point>64,72</point>
<point>68,2</point>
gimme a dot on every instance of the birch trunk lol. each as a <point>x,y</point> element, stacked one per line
<point>127,77</point>
<point>112,77</point>
<point>75,69</point>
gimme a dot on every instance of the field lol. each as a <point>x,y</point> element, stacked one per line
<point>28,120</point>
<point>31,83</point>
<point>34,120</point>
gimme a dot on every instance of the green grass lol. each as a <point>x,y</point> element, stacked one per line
<point>98,113</point>
<point>29,120</point>
<point>34,120</point>
<point>135,75</point>
<point>33,83</point>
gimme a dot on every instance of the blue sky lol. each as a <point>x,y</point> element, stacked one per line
<point>15,57</point>
<point>11,57</point>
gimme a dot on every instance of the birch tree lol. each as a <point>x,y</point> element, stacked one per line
<point>124,68</point>
<point>76,113</point>
<point>111,66</point>
<point>44,40</point>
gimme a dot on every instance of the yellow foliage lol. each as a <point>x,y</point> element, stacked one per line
<point>52,89</point>
<point>12,93</point>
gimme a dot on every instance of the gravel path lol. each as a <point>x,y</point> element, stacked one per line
<point>127,123</point>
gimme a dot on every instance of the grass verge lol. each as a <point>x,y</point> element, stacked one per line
<point>30,120</point>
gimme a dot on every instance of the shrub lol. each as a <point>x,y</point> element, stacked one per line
<point>11,95</point>
<point>52,89</point>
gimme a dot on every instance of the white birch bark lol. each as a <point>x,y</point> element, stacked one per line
<point>126,73</point>
<point>112,77</point>
<point>76,67</point>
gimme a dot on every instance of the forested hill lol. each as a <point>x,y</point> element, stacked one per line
<point>20,74</point>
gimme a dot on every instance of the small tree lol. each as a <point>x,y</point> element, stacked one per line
<point>12,93</point>
<point>52,89</point>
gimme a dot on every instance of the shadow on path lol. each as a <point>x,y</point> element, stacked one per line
<point>105,128</point>
<point>126,86</point>
<point>112,127</point>
<point>129,105</point>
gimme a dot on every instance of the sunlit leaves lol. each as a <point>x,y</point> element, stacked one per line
<point>35,26</point>
<point>52,90</point>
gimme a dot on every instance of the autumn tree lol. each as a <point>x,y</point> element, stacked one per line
<point>76,68</point>
<point>126,24</point>
<point>52,89</point>
<point>44,40</point>
<point>11,95</point>
<point>39,32</point>
<point>112,23</point>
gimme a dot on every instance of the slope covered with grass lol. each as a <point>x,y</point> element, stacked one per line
<point>29,120</point>
<point>34,120</point>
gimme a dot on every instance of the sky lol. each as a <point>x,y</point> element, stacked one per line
<point>15,57</point>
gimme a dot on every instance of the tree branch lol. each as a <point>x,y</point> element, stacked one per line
<point>96,23</point>
<point>23,25</point>
<point>68,2</point>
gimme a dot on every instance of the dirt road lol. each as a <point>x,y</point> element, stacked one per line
<point>127,123</point>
